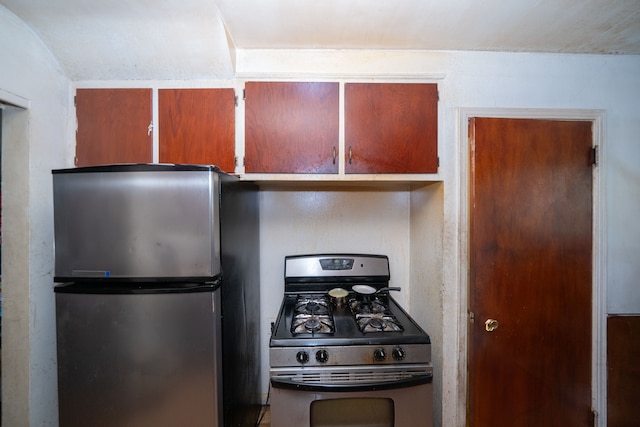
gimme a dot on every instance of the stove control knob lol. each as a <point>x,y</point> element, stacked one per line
<point>302,357</point>
<point>379,354</point>
<point>398,353</point>
<point>322,356</point>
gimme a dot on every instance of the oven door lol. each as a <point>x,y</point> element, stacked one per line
<point>360,396</point>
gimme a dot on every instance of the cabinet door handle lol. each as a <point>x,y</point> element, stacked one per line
<point>334,155</point>
<point>350,154</point>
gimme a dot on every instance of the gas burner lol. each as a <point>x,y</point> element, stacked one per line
<point>312,315</point>
<point>312,324</point>
<point>378,322</point>
<point>367,307</point>
<point>374,316</point>
<point>313,304</point>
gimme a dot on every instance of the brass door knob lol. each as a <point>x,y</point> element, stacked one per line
<point>491,325</point>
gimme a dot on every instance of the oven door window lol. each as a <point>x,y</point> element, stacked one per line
<point>356,412</point>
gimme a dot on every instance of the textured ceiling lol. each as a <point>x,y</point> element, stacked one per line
<point>189,39</point>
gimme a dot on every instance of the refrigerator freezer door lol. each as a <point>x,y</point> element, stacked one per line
<point>139,360</point>
<point>138,222</point>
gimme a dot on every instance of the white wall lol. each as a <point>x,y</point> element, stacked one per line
<point>35,140</point>
<point>426,213</point>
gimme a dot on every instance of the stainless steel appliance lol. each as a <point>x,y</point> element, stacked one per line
<point>154,258</point>
<point>345,358</point>
<point>143,222</point>
<point>148,356</point>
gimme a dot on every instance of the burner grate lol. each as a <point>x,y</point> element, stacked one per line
<point>312,315</point>
<point>316,305</point>
<point>374,316</point>
<point>378,322</point>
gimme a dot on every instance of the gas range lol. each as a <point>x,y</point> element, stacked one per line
<point>313,329</point>
<point>343,351</point>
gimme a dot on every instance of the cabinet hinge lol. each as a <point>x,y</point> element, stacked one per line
<point>235,100</point>
<point>594,418</point>
<point>438,160</point>
<point>75,101</point>
<point>438,95</point>
<point>594,155</point>
<point>472,317</point>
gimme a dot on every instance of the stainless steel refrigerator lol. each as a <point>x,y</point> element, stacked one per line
<point>157,310</point>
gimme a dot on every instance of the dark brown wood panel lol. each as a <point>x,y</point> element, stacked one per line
<point>530,269</point>
<point>623,369</point>
<point>197,126</point>
<point>391,128</point>
<point>113,126</point>
<point>291,127</point>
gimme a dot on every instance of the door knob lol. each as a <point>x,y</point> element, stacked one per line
<point>491,325</point>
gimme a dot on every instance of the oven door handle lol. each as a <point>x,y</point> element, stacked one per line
<point>415,380</point>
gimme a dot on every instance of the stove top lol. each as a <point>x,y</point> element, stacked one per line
<point>356,329</point>
<point>381,321</point>
<point>313,314</point>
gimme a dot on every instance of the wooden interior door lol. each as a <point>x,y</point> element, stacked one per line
<point>291,127</point>
<point>197,126</point>
<point>531,272</point>
<point>113,126</point>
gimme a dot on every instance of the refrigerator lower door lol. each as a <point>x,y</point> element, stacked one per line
<point>139,359</point>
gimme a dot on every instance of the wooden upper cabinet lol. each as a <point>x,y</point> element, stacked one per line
<point>291,127</point>
<point>391,128</point>
<point>113,126</point>
<point>197,126</point>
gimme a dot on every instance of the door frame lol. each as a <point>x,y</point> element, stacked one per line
<point>599,306</point>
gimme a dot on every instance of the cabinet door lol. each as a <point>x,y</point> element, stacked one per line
<point>197,126</point>
<point>291,127</point>
<point>113,126</point>
<point>391,128</point>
